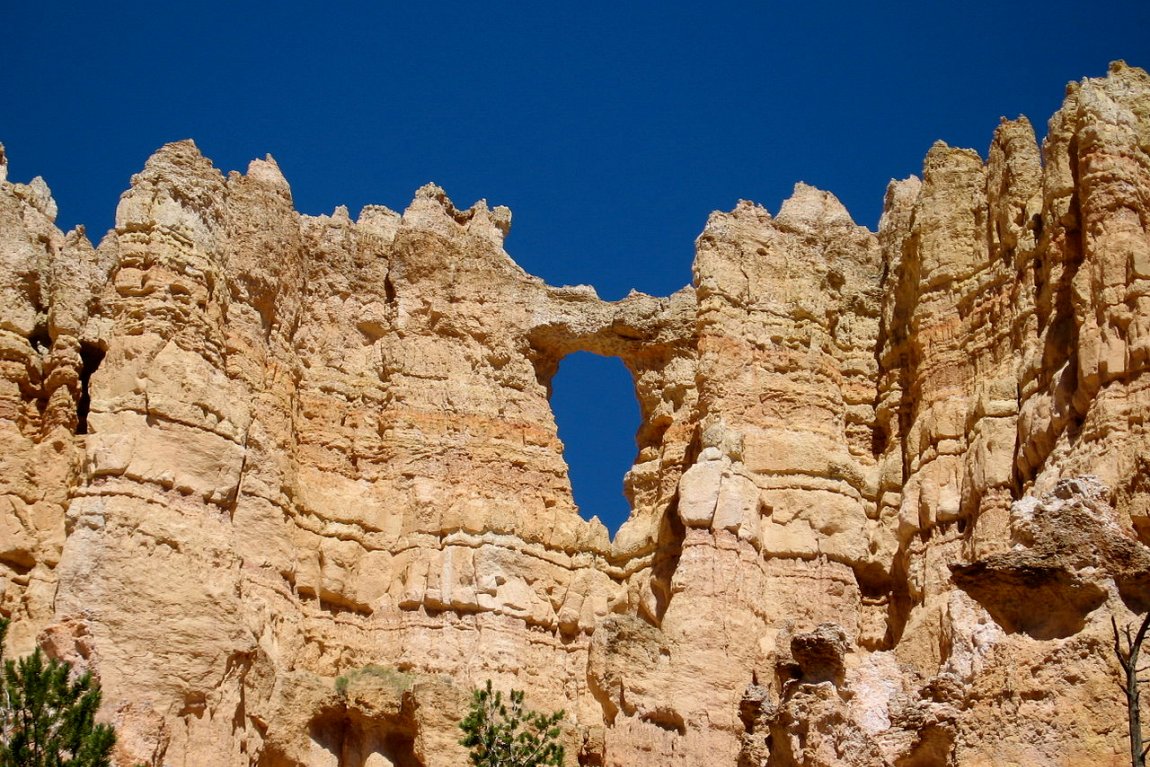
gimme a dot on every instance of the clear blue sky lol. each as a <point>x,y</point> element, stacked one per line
<point>611,129</point>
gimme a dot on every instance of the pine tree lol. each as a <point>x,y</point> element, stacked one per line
<point>47,719</point>
<point>501,735</point>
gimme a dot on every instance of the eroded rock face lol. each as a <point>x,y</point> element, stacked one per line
<point>291,486</point>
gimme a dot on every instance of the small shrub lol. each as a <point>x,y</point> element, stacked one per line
<point>389,676</point>
<point>508,735</point>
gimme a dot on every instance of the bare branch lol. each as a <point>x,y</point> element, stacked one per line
<point>1141,632</point>
<point>1117,644</point>
<point>1128,659</point>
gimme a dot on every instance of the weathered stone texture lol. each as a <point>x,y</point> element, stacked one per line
<point>292,486</point>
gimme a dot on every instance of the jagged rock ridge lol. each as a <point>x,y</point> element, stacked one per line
<point>890,487</point>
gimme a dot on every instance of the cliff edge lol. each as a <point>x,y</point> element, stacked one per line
<point>890,487</point>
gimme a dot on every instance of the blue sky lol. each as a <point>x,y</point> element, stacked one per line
<point>610,129</point>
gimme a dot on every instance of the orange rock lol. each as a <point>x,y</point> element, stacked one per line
<point>291,485</point>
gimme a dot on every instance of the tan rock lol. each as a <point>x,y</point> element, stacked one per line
<point>249,454</point>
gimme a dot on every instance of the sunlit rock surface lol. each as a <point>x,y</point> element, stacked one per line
<point>291,486</point>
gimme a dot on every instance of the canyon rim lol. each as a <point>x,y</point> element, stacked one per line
<point>890,487</point>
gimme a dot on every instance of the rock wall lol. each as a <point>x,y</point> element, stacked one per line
<point>291,486</point>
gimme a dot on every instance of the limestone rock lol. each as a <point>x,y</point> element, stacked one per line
<point>291,486</point>
<point>1067,545</point>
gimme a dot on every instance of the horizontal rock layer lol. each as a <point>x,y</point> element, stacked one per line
<point>291,486</point>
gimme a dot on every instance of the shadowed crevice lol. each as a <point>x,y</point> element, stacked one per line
<point>91,356</point>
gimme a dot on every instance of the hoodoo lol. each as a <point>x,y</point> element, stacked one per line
<point>890,490</point>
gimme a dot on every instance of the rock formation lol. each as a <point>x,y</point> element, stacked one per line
<point>291,486</point>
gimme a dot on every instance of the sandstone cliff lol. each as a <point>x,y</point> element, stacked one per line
<point>890,487</point>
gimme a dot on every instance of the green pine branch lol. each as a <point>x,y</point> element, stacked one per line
<point>47,718</point>
<point>500,734</point>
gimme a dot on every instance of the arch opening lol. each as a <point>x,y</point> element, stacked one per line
<point>597,414</point>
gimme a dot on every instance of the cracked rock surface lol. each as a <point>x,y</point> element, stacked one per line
<point>291,486</point>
